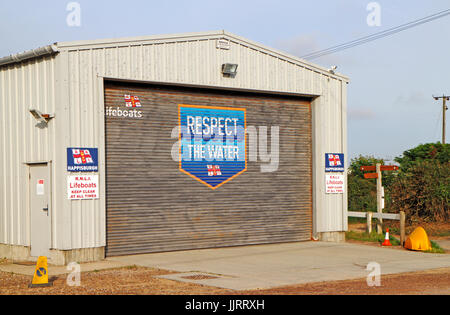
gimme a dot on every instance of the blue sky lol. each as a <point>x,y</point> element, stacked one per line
<point>390,108</point>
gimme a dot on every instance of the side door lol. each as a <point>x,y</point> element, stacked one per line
<point>40,197</point>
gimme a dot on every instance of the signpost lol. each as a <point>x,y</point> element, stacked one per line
<point>370,175</point>
<point>379,199</point>
<point>382,168</point>
<point>380,190</point>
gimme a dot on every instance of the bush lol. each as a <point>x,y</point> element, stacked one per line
<point>421,188</point>
<point>423,191</point>
<point>424,152</point>
<point>362,192</point>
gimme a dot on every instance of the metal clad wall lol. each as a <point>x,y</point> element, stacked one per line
<point>23,86</point>
<point>84,220</point>
<point>329,111</point>
<point>184,60</point>
<point>199,62</point>
<point>152,206</point>
<point>70,84</point>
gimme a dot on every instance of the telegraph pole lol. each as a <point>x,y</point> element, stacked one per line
<point>379,198</point>
<point>444,109</point>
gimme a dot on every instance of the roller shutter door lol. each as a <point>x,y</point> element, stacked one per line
<point>151,206</point>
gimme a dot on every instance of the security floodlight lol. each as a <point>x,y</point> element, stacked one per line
<point>40,116</point>
<point>229,69</point>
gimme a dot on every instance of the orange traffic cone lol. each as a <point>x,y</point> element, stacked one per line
<point>386,239</point>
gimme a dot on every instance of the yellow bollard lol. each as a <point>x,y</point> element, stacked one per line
<point>418,240</point>
<point>40,278</point>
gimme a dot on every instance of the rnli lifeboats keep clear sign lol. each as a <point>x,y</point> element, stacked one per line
<point>82,187</point>
<point>335,183</point>
<point>212,143</point>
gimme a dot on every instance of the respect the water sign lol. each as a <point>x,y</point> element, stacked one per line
<point>212,143</point>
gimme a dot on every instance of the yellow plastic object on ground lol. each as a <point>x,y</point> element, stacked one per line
<point>40,278</point>
<point>418,240</point>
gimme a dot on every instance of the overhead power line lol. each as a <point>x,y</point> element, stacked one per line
<point>376,36</point>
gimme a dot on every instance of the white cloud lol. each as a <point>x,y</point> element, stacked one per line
<point>361,114</point>
<point>413,98</point>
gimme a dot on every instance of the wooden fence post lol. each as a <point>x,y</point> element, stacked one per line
<point>402,228</point>
<point>369,221</point>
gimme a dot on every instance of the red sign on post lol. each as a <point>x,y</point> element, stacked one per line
<point>389,168</point>
<point>382,168</point>
<point>371,175</point>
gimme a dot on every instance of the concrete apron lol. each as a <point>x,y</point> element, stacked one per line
<point>28,268</point>
<point>268,266</point>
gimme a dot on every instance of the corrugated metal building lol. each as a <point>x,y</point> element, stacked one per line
<point>145,203</point>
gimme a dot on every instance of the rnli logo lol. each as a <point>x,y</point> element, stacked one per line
<point>82,159</point>
<point>334,162</point>
<point>132,109</point>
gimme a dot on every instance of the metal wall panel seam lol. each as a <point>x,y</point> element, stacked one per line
<point>319,106</point>
<point>329,141</point>
<point>67,75</point>
<point>15,181</point>
<point>9,160</point>
<point>3,201</point>
<point>343,106</point>
<point>21,177</point>
<point>93,143</point>
<point>95,135</point>
<point>27,146</point>
<point>76,207</point>
<point>102,148</point>
<point>52,142</point>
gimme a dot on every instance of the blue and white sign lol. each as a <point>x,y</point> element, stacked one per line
<point>82,160</point>
<point>212,143</point>
<point>334,162</point>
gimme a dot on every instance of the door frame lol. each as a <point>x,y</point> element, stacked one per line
<point>47,164</point>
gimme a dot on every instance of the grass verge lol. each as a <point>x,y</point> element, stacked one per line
<point>435,248</point>
<point>372,237</point>
<point>379,238</point>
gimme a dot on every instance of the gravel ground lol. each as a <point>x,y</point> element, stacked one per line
<point>141,281</point>
<point>130,280</point>
<point>429,282</point>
